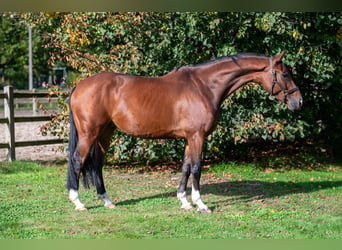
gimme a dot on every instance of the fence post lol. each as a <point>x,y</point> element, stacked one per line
<point>9,114</point>
<point>34,103</point>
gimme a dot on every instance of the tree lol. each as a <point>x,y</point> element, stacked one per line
<point>14,52</point>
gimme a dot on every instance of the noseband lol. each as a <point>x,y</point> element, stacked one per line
<point>274,82</point>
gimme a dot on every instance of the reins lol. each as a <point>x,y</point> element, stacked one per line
<point>274,82</point>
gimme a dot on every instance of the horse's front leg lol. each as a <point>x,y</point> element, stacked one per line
<point>192,164</point>
<point>181,192</point>
<point>196,147</point>
<point>195,192</point>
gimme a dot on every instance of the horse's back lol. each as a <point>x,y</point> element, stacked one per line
<point>150,107</point>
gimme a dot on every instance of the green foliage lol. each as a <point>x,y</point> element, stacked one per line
<point>59,125</point>
<point>152,44</point>
<point>14,52</point>
<point>251,115</point>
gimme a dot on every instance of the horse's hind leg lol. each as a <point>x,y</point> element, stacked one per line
<point>78,160</point>
<point>100,149</point>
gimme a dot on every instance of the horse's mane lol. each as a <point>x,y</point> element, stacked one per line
<point>224,58</point>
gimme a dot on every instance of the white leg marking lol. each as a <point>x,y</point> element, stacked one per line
<point>73,196</point>
<point>107,201</point>
<point>196,198</point>
<point>185,204</point>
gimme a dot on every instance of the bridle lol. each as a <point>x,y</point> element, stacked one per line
<point>274,82</point>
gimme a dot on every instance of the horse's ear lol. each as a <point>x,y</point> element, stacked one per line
<point>279,57</point>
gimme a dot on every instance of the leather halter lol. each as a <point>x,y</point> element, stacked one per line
<point>274,82</point>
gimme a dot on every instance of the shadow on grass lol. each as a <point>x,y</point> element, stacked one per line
<point>249,190</point>
<point>252,190</point>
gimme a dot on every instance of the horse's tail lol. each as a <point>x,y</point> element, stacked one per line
<point>87,170</point>
<point>72,182</point>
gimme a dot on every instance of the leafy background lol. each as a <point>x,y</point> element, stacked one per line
<point>152,44</point>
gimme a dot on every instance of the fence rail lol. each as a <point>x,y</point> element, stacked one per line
<point>9,119</point>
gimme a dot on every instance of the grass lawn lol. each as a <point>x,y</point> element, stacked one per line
<point>248,202</point>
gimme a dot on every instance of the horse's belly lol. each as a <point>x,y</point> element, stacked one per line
<point>147,126</point>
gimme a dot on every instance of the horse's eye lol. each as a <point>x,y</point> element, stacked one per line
<point>285,75</point>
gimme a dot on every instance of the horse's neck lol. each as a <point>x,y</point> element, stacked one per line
<point>223,78</point>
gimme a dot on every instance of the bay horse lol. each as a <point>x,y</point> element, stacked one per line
<point>183,104</point>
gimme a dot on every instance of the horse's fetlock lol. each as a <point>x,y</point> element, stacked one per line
<point>196,169</point>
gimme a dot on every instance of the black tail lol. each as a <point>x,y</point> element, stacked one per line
<point>72,180</point>
<point>88,169</point>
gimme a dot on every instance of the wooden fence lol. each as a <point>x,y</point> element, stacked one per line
<point>10,119</point>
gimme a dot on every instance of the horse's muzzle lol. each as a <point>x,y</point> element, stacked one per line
<point>295,103</point>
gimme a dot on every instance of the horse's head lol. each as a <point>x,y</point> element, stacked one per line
<point>278,81</point>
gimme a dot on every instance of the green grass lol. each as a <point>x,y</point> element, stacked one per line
<point>248,202</point>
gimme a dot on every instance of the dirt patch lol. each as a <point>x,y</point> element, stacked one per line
<point>30,131</point>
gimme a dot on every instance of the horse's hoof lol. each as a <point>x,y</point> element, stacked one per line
<point>111,205</point>
<point>205,211</point>
<point>81,209</point>
<point>188,207</point>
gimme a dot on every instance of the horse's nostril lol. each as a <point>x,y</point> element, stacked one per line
<point>301,102</point>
